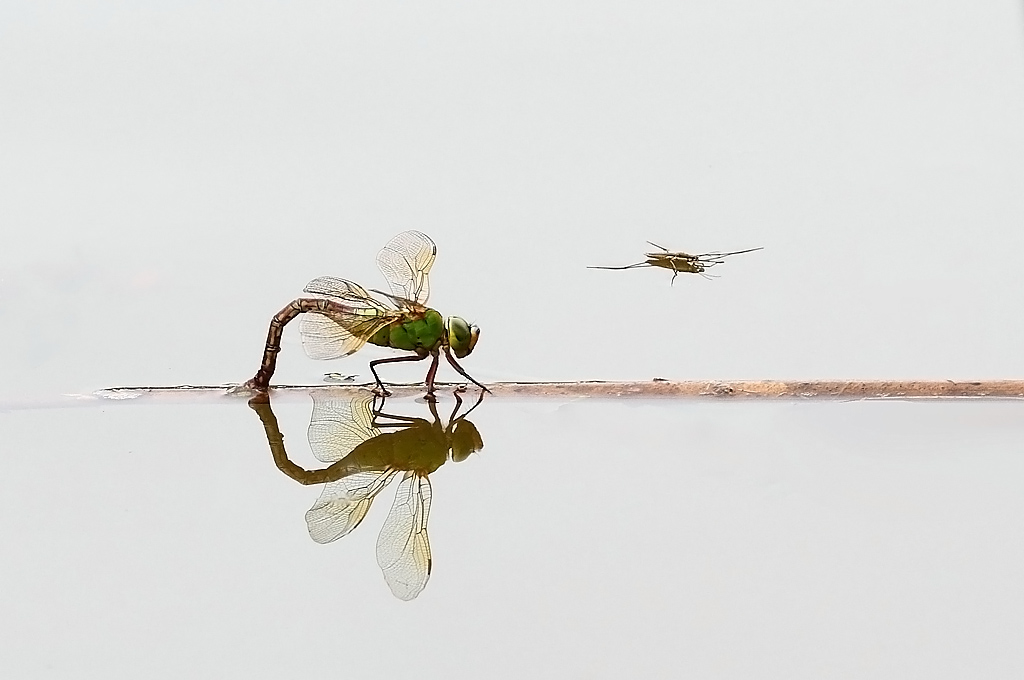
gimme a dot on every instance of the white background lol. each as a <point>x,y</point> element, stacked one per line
<point>173,174</point>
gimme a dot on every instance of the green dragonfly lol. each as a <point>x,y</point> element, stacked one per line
<point>347,433</point>
<point>342,316</point>
<point>679,261</point>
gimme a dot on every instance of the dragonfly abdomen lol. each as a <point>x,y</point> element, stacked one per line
<point>412,333</point>
<point>300,306</point>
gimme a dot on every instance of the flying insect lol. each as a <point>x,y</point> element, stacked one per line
<point>679,261</point>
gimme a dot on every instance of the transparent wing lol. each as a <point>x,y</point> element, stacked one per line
<point>339,425</point>
<point>343,504</point>
<point>403,550</point>
<point>323,338</point>
<point>333,287</point>
<point>346,330</point>
<point>405,262</point>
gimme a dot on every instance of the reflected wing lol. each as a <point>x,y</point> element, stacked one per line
<point>347,330</point>
<point>339,425</point>
<point>405,262</point>
<point>343,504</point>
<point>403,551</point>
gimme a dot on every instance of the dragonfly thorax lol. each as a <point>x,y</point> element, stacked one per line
<point>423,330</point>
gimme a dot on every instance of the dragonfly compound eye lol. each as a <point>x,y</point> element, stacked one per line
<point>462,336</point>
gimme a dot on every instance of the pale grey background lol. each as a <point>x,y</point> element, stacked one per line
<point>174,173</point>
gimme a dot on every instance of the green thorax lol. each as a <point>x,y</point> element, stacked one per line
<point>414,332</point>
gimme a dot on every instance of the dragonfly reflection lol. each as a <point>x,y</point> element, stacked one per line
<point>367,448</point>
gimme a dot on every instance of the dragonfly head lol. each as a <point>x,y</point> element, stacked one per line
<point>462,335</point>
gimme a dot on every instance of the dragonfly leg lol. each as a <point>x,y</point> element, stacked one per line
<point>462,371</point>
<point>430,379</point>
<point>391,360</point>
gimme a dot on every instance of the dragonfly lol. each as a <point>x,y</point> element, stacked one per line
<point>679,261</point>
<point>364,457</point>
<point>341,316</point>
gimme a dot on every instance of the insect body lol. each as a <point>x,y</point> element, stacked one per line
<point>343,316</point>
<point>679,261</point>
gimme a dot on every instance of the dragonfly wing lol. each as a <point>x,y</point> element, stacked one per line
<point>354,319</point>
<point>339,425</point>
<point>405,262</point>
<point>333,287</point>
<point>343,504</point>
<point>403,550</point>
<point>323,338</point>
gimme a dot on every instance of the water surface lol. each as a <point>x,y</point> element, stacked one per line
<point>157,538</point>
